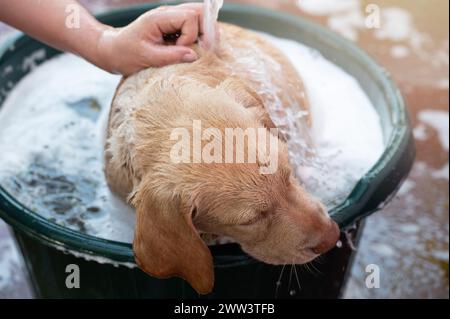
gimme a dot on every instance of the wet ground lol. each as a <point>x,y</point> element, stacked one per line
<point>409,239</point>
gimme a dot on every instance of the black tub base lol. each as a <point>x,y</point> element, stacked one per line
<point>47,268</point>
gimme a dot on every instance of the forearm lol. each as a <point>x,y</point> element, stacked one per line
<point>63,24</point>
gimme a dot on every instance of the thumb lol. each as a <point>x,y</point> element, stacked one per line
<point>171,54</point>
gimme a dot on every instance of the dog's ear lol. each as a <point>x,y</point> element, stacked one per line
<point>247,97</point>
<point>166,243</point>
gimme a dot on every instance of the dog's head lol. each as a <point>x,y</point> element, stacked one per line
<point>271,216</point>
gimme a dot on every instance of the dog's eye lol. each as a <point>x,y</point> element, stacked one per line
<point>259,217</point>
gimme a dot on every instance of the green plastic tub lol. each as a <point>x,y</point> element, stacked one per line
<point>107,268</point>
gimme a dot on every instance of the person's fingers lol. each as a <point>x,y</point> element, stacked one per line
<point>172,21</point>
<point>186,19</point>
<point>164,55</point>
<point>189,30</point>
<point>199,8</point>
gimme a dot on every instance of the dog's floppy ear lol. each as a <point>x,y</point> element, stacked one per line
<point>166,243</point>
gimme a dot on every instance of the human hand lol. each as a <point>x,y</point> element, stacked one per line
<point>142,43</point>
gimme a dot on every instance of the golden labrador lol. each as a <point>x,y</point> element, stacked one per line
<point>270,215</point>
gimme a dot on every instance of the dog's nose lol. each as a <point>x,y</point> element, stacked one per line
<point>329,239</point>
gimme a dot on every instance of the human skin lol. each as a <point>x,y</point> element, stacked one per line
<point>117,50</point>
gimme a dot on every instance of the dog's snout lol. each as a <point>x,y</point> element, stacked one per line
<point>329,239</point>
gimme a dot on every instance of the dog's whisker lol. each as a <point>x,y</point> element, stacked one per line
<point>291,292</point>
<point>309,269</point>
<point>305,266</point>
<point>297,278</point>
<point>316,269</point>
<point>320,259</point>
<point>278,284</point>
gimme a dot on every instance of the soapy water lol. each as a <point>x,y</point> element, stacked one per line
<point>289,116</point>
<point>345,139</point>
<point>51,142</point>
<point>52,133</point>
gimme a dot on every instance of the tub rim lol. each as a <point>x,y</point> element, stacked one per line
<point>348,212</point>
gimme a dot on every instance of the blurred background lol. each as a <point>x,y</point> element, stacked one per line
<point>409,238</point>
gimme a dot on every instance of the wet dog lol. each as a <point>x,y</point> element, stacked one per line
<point>270,215</point>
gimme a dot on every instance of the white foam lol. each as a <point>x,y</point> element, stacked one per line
<point>53,161</point>
<point>442,173</point>
<point>439,120</point>
<point>397,25</point>
<point>347,24</point>
<point>400,51</point>
<point>10,260</point>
